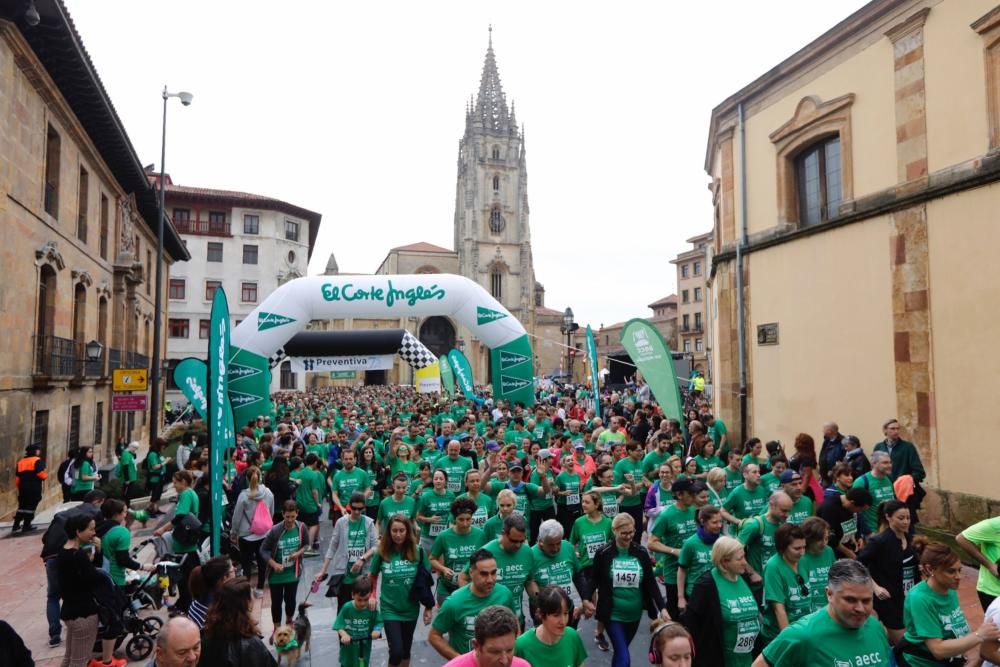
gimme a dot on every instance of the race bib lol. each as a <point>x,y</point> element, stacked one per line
<point>611,508</point>
<point>436,529</point>
<point>479,519</point>
<point>354,554</point>
<point>746,635</point>
<point>593,548</point>
<point>455,486</point>
<point>573,499</point>
<point>625,574</point>
<point>849,528</point>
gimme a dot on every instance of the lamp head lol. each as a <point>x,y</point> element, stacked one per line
<point>31,16</point>
<point>186,98</point>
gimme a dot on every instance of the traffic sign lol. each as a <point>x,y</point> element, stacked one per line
<point>129,379</point>
<point>128,402</point>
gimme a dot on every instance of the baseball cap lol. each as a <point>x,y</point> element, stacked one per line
<point>544,454</point>
<point>515,466</point>
<point>492,445</point>
<point>579,445</point>
<point>790,476</point>
<point>462,437</point>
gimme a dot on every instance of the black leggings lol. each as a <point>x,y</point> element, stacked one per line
<point>567,515</point>
<point>155,491</point>
<point>635,511</point>
<point>189,562</point>
<point>344,596</point>
<point>286,593</point>
<point>399,635</point>
<point>537,517</point>
<point>249,554</point>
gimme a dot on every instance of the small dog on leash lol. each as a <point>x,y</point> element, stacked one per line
<point>286,646</point>
<point>303,628</point>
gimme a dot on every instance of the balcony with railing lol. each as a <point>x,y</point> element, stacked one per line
<point>120,359</point>
<point>204,227</point>
<point>57,357</point>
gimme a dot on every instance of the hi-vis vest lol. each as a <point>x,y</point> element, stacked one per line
<point>26,469</point>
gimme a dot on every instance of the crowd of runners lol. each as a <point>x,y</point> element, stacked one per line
<point>512,530</point>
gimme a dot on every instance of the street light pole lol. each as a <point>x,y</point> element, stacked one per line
<point>158,299</point>
<point>568,327</point>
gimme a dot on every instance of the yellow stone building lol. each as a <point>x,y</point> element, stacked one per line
<point>860,175</point>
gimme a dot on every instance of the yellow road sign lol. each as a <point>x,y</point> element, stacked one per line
<point>129,379</point>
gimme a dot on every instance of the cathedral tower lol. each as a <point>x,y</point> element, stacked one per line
<point>492,237</point>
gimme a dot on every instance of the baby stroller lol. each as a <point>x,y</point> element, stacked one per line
<point>118,614</point>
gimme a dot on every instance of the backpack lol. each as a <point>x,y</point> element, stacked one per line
<point>71,474</point>
<point>261,522</point>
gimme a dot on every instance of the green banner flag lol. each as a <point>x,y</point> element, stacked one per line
<point>650,354</point>
<point>447,377</point>
<point>463,373</point>
<point>220,425</point>
<point>513,371</point>
<point>191,376</point>
<point>595,377</point>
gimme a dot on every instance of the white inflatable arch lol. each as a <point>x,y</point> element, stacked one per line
<point>291,307</point>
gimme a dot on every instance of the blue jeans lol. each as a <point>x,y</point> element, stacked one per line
<point>621,635</point>
<point>52,598</point>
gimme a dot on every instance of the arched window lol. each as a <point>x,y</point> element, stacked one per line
<point>496,152</point>
<point>496,184</point>
<point>496,220</point>
<point>496,283</point>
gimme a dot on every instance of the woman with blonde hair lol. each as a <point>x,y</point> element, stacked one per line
<point>250,524</point>
<point>721,613</point>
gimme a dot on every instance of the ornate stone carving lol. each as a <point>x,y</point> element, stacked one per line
<point>81,277</point>
<point>104,289</point>
<point>126,208</point>
<point>49,253</point>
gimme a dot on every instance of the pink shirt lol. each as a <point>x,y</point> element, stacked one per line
<point>469,660</point>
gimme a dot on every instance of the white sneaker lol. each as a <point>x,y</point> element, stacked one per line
<point>258,593</point>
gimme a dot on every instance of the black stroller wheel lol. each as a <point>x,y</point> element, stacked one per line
<point>152,625</point>
<point>139,648</point>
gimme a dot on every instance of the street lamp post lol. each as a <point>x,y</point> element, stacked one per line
<point>567,329</point>
<point>185,99</point>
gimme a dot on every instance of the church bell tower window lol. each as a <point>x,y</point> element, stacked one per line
<point>496,220</point>
<point>496,284</point>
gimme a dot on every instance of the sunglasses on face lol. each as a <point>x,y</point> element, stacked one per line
<point>358,508</point>
<point>802,584</point>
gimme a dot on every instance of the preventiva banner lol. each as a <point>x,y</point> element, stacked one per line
<point>463,373</point>
<point>361,362</point>
<point>650,354</point>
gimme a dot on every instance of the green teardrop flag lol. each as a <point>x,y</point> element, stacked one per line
<point>595,378</point>
<point>463,373</point>
<point>191,375</point>
<point>447,377</point>
<point>650,354</point>
<point>220,425</point>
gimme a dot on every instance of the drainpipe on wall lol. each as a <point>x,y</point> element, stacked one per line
<point>740,305</point>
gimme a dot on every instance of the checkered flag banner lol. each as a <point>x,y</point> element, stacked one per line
<point>276,358</point>
<point>413,352</point>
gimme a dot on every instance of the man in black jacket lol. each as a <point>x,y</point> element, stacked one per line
<point>830,452</point>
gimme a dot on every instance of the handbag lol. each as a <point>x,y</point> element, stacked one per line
<point>187,531</point>
<point>333,588</point>
<point>422,590</point>
<point>261,522</point>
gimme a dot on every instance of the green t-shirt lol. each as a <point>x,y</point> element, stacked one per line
<point>802,509</point>
<point>80,484</point>
<point>117,539</point>
<point>485,508</point>
<point>986,536</point>
<point>706,464</point>
<point>744,503</point>
<point>567,652</point>
<point>456,472</point>
<point>494,526</point>
<point>784,586</point>
<point>740,620</point>
<point>556,570</point>
<point>588,537</point>
<point>454,551</point>
<point>606,439</point>
<point>357,544</point>
<point>127,464</point>
<point>187,503</point>
<point>513,570</point>
<point>815,568</point>
<point>627,470</point>
<point>524,495</point>
<point>408,468</point>
<point>672,527</point>
<point>310,480</point>
<point>432,504</point>
<point>359,624</point>
<point>541,502</point>
<point>289,542</point>
<point>457,615</point>
<point>881,490</point>
<point>154,459</point>
<point>771,482</point>
<point>757,535</point>
<point>375,497</point>
<point>626,587</point>
<point>651,463</point>
<point>345,483</point>
<point>817,639</point>
<point>397,576</point>
<point>734,479</point>
<point>716,431</point>
<point>696,559</point>
<point>568,482</point>
<point>389,506</point>
<point>931,615</point>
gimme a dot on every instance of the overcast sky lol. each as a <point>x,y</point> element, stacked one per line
<point>355,110</point>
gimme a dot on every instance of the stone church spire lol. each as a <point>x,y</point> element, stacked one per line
<point>490,112</point>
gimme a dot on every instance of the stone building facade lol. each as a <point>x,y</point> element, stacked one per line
<point>692,301</point>
<point>79,249</point>
<point>871,186</point>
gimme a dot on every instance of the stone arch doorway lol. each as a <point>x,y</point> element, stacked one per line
<point>438,334</point>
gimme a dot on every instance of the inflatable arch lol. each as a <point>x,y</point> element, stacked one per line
<point>361,350</point>
<point>288,310</point>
